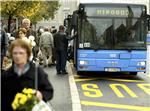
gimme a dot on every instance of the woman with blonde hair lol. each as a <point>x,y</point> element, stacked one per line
<point>22,75</point>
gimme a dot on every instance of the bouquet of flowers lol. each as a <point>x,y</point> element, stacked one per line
<point>27,101</point>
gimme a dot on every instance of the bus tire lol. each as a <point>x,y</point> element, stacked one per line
<point>79,72</point>
<point>133,73</point>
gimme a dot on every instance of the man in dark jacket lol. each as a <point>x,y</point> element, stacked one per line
<point>4,44</point>
<point>60,45</point>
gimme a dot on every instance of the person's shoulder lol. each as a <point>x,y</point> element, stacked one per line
<point>31,29</point>
<point>56,34</point>
<point>33,66</point>
<point>41,72</point>
<point>49,33</point>
<point>43,34</point>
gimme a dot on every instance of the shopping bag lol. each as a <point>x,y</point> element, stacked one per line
<point>42,106</point>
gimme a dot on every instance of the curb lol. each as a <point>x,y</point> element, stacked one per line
<point>76,105</point>
<point>147,75</point>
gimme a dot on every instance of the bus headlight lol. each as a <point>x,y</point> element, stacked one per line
<point>83,62</point>
<point>141,63</point>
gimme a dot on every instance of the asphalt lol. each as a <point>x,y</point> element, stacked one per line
<point>113,92</point>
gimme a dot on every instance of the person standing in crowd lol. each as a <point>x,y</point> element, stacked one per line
<point>54,31</point>
<point>22,35</point>
<point>46,44</point>
<point>60,45</point>
<point>39,55</point>
<point>40,31</point>
<point>22,75</point>
<point>4,45</point>
<point>26,23</point>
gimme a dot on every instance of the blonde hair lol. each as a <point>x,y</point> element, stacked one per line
<point>26,20</point>
<point>22,44</point>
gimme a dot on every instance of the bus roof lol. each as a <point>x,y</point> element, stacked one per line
<point>107,1</point>
<point>112,4</point>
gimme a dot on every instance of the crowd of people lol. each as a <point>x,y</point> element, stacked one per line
<point>46,46</point>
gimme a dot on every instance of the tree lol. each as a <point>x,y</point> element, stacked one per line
<point>49,10</point>
<point>34,10</point>
<point>52,7</point>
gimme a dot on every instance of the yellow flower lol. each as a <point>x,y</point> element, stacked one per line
<point>28,91</point>
<point>15,103</point>
<point>14,106</point>
<point>23,99</point>
<point>29,96</point>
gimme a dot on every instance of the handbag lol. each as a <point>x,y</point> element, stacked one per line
<point>41,105</point>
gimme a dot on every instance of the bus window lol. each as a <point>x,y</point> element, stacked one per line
<point>129,35</point>
<point>97,32</point>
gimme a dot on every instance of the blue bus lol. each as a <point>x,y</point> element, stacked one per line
<point>111,37</point>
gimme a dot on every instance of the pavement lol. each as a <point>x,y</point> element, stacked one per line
<point>62,98</point>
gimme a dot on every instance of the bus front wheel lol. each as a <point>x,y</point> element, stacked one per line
<point>79,72</point>
<point>133,73</point>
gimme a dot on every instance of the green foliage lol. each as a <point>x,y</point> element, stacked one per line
<point>52,7</point>
<point>34,10</point>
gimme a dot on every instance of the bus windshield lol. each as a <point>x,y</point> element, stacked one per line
<point>113,32</point>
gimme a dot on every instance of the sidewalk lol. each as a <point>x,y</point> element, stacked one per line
<point>62,99</point>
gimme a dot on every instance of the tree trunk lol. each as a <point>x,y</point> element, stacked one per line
<point>9,22</point>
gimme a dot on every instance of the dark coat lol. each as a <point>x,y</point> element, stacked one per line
<point>12,84</point>
<point>61,41</point>
<point>4,42</point>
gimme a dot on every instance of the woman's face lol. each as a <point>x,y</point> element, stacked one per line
<point>19,55</point>
<point>21,34</point>
<point>26,24</point>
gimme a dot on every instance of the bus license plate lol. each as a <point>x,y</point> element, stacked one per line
<point>112,69</point>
